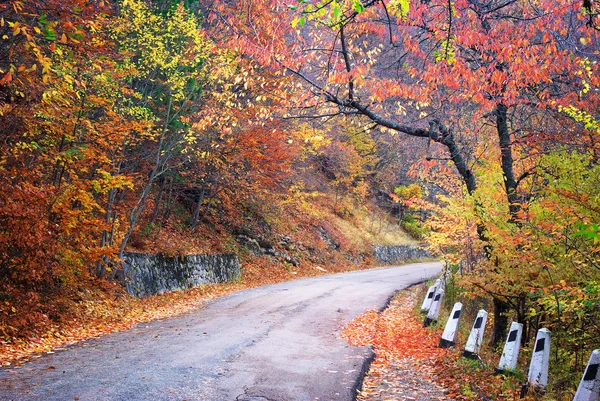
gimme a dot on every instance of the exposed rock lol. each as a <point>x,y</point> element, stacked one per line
<point>250,243</point>
<point>265,244</point>
<point>287,243</point>
<point>281,255</point>
<point>262,246</point>
<point>331,243</point>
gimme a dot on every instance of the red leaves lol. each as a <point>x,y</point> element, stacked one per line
<point>409,365</point>
<point>395,333</point>
<point>6,79</point>
<point>405,350</point>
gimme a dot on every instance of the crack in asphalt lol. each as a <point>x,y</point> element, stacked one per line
<point>248,397</point>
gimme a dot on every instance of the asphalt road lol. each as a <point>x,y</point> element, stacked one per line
<point>278,342</point>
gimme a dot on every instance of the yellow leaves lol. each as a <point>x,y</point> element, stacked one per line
<point>109,181</point>
<point>581,116</point>
<point>399,8</point>
<point>18,6</point>
<point>31,146</point>
<point>409,192</point>
<point>171,49</point>
<point>313,138</point>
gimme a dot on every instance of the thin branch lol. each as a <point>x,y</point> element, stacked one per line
<point>347,63</point>
<point>389,23</point>
<point>449,28</point>
<point>317,116</point>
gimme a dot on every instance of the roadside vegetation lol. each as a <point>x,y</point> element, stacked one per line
<point>320,128</point>
<point>409,365</point>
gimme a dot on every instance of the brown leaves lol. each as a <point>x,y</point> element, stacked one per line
<point>395,333</point>
<point>405,352</point>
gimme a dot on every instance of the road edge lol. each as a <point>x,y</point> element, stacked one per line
<point>366,365</point>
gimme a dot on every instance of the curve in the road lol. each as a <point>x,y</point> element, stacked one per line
<point>278,342</point>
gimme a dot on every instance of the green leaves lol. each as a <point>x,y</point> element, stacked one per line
<point>399,8</point>
<point>336,10</point>
<point>332,13</point>
<point>589,231</point>
<point>358,6</point>
<point>298,21</point>
<point>49,33</point>
<point>446,53</point>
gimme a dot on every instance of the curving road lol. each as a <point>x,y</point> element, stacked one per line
<point>278,342</point>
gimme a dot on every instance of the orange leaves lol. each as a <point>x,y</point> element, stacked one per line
<point>59,133</point>
<point>362,330</point>
<point>395,333</point>
<point>6,79</point>
<point>405,351</point>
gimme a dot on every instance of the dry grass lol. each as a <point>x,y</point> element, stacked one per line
<point>366,228</point>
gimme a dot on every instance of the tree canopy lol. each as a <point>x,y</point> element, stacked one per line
<point>476,120</point>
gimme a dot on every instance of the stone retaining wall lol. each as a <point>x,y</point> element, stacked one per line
<point>399,253</point>
<point>147,274</point>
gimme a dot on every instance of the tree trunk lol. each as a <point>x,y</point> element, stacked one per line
<point>208,205</point>
<point>196,214</point>
<point>510,183</point>
<point>157,171</point>
<point>514,206</point>
<point>161,191</point>
<point>500,321</point>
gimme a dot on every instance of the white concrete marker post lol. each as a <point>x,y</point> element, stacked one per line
<point>510,354</point>
<point>589,387</point>
<point>440,283</point>
<point>538,368</point>
<point>451,330</point>
<point>476,336</point>
<point>428,299</point>
<point>434,311</point>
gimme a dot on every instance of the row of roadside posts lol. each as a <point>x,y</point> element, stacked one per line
<point>589,387</point>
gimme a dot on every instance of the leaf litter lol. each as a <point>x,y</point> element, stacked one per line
<point>405,353</point>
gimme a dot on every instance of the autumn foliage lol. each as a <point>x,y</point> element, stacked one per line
<point>173,126</point>
<point>114,113</point>
<point>398,338</point>
<point>505,94</point>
